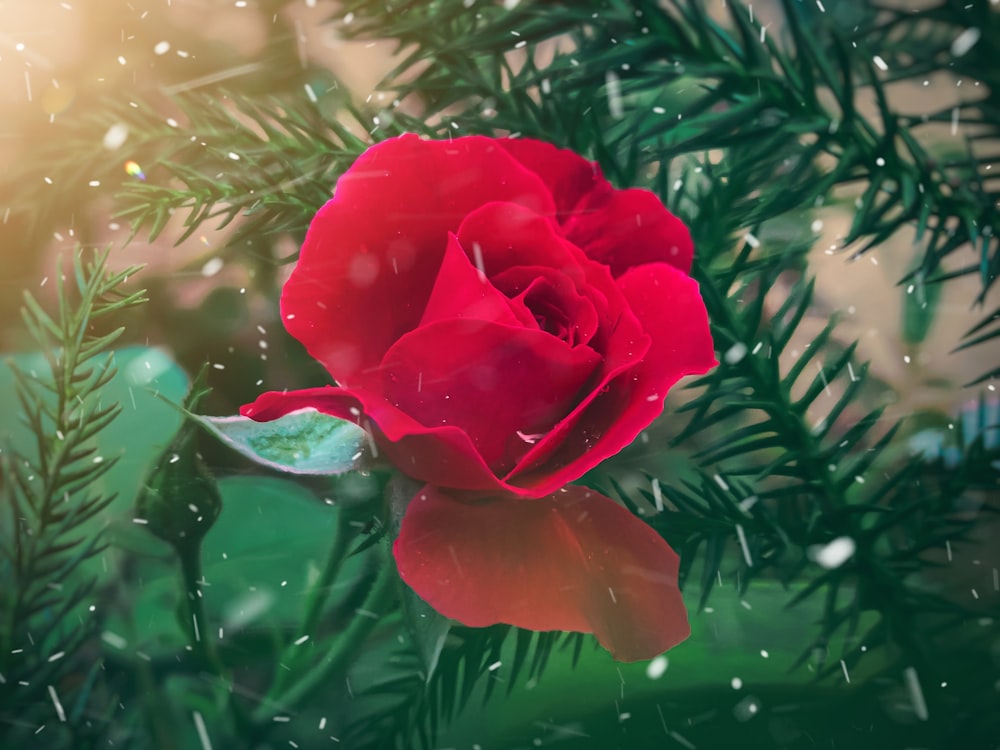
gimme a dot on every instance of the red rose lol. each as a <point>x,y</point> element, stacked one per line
<point>501,320</point>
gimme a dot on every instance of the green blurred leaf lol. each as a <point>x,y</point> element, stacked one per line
<point>260,560</point>
<point>138,435</point>
<point>920,305</point>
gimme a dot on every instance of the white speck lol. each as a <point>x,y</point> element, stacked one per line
<point>747,503</point>
<point>477,258</point>
<point>310,93</point>
<point>612,592</point>
<point>115,136</point>
<point>834,554</point>
<point>817,225</point>
<point>964,42</point>
<point>880,63</point>
<point>57,656</point>
<point>916,693</point>
<point>494,666</point>
<point>741,535</point>
<point>300,641</point>
<point>954,121</point>
<point>736,682</point>
<point>510,4</point>
<point>212,267</point>
<point>234,156</point>
<point>121,60</point>
<point>735,353</point>
<point>199,724</point>
<point>843,666</point>
<point>764,654</point>
<point>657,495</point>
<point>751,240</point>
<point>114,640</point>
<point>880,161</point>
<point>172,122</point>
<point>161,48</point>
<point>145,370</point>
<point>94,183</point>
<point>746,709</point>
<point>60,712</point>
<point>656,667</point>
<point>614,88</point>
<point>721,482</point>
<point>660,111</point>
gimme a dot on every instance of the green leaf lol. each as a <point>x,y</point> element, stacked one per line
<point>254,581</point>
<point>303,442</point>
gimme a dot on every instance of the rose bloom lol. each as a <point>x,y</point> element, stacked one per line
<point>501,320</point>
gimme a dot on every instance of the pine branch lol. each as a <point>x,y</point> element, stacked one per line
<point>671,81</point>
<point>48,489</point>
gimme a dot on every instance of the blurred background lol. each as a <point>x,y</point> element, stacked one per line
<point>60,59</point>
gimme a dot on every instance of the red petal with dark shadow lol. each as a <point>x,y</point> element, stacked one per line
<point>627,228</point>
<point>568,175</point>
<point>670,311</point>
<point>574,560</point>
<point>500,384</point>
<point>372,253</point>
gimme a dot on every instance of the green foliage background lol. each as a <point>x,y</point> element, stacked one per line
<point>257,611</point>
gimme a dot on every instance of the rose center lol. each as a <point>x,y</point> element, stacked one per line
<point>550,316</point>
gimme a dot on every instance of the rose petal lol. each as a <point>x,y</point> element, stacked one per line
<point>670,310</point>
<point>573,561</point>
<point>536,290</point>
<point>626,228</point>
<point>462,291</point>
<point>508,235</point>
<point>372,253</point>
<point>502,385</point>
<point>568,175</point>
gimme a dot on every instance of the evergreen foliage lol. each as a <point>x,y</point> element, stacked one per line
<point>48,496</point>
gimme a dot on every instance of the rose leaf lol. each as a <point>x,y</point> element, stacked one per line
<point>302,442</point>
